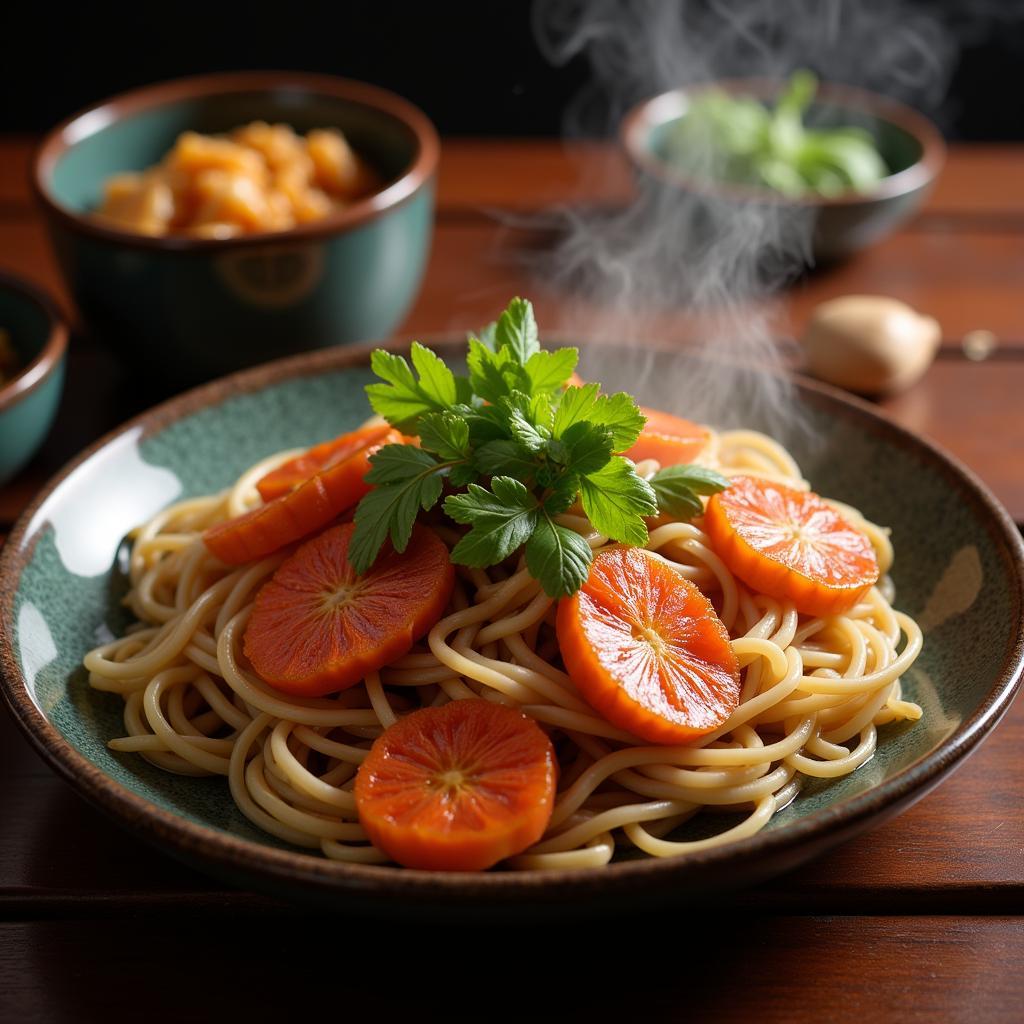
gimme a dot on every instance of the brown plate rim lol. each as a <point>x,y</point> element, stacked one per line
<point>420,171</point>
<point>636,124</point>
<point>227,853</point>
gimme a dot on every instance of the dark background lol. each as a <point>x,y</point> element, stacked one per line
<point>475,68</point>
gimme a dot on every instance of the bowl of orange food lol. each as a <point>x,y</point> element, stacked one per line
<point>214,222</point>
<point>504,668</point>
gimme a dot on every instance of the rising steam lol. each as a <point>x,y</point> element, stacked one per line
<point>724,263</point>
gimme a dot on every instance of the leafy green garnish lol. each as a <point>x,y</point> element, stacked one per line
<point>739,139</point>
<point>676,489</point>
<point>516,447</point>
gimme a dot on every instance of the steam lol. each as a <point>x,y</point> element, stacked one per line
<point>631,271</point>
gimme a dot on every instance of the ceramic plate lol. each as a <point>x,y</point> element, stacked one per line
<point>959,570</point>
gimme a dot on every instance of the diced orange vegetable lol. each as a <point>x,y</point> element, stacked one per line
<point>645,648</point>
<point>298,513</point>
<point>457,788</point>
<point>297,471</point>
<point>670,439</point>
<point>316,627</point>
<point>790,545</point>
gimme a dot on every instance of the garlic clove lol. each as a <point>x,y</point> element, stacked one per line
<point>870,343</point>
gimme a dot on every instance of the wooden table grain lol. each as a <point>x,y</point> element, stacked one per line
<point>921,920</point>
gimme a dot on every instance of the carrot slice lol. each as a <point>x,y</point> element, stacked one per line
<point>316,627</point>
<point>457,788</point>
<point>294,472</point>
<point>670,439</point>
<point>645,648</point>
<point>296,514</point>
<point>790,545</point>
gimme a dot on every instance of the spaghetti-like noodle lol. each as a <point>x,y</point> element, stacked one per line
<point>814,691</point>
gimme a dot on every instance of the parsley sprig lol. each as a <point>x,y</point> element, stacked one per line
<point>517,446</point>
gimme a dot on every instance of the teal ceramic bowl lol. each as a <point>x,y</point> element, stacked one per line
<point>836,226</point>
<point>188,309</point>
<point>960,573</point>
<point>29,400</point>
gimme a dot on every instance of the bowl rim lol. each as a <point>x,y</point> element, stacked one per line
<point>62,138</point>
<point>49,355</point>
<point>224,852</point>
<point>636,125</point>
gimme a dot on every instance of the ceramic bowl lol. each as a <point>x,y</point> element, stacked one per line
<point>28,401</point>
<point>839,225</point>
<point>960,573</point>
<point>189,309</point>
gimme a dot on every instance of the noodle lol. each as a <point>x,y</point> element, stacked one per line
<point>814,690</point>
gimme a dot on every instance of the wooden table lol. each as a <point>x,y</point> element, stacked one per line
<point>923,919</point>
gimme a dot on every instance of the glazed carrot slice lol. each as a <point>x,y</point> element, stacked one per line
<point>645,648</point>
<point>298,513</point>
<point>294,472</point>
<point>457,788</point>
<point>317,628</point>
<point>790,545</point>
<point>670,439</point>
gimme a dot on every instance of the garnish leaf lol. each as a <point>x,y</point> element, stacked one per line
<point>437,382</point>
<point>616,500</point>
<point>548,371</point>
<point>405,479</point>
<point>557,557</point>
<point>586,447</point>
<point>445,434</point>
<point>516,332</point>
<point>518,410</point>
<point>502,520</point>
<point>618,412</point>
<point>677,488</point>
<point>518,448</point>
<point>401,400</point>
<point>505,458</point>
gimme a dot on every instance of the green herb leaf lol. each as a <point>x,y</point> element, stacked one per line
<point>585,447</point>
<point>618,412</point>
<point>677,488</point>
<point>486,334</point>
<point>564,493</point>
<point>446,434</point>
<point>401,400</point>
<point>616,500</point>
<point>516,332</point>
<point>462,474</point>
<point>548,371</point>
<point>505,458</point>
<point>406,479</point>
<point>494,375</point>
<point>557,557</point>
<point>437,382</point>
<point>502,520</point>
<point>518,411</point>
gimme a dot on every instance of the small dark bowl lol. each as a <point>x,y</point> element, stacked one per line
<point>190,308</point>
<point>29,400</point>
<point>910,145</point>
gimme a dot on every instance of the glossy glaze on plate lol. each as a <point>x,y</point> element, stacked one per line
<point>959,570</point>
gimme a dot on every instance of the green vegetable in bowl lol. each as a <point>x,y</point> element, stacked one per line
<point>739,139</point>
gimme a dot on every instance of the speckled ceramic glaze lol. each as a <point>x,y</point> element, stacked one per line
<point>191,309</point>
<point>958,570</point>
<point>29,400</point>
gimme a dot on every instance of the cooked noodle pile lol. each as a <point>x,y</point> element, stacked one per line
<point>814,691</point>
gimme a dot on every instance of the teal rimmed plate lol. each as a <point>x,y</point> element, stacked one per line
<point>959,570</point>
